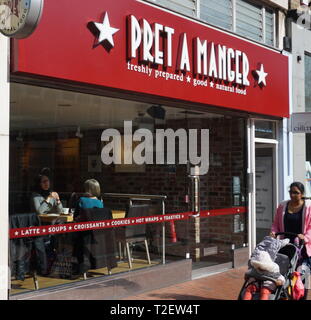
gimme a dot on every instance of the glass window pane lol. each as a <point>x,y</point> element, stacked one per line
<point>218,13</point>
<point>186,7</point>
<point>58,134</point>
<point>308,82</point>
<point>249,20</point>
<point>269,27</point>
<point>265,129</point>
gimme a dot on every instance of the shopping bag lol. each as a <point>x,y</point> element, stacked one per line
<point>298,286</point>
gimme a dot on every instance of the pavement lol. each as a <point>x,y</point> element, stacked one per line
<point>220,286</point>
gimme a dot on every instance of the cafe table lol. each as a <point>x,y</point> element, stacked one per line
<point>50,218</point>
<point>118,214</point>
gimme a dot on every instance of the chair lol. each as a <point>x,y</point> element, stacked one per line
<point>95,249</point>
<point>27,254</point>
<point>74,199</point>
<point>134,234</point>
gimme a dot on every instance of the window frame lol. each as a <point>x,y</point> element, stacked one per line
<point>307,107</point>
<point>264,7</point>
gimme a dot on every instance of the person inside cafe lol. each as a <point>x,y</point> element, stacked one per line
<point>93,250</point>
<point>44,200</point>
<point>91,198</point>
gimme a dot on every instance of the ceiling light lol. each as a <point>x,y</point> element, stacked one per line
<point>78,133</point>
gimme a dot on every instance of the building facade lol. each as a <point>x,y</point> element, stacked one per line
<point>298,34</point>
<point>180,114</point>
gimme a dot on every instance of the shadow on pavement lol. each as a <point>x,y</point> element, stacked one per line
<point>176,296</point>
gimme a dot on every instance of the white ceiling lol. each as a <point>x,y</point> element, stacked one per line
<point>45,108</point>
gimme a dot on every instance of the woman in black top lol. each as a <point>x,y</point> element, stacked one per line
<point>44,200</point>
<point>293,213</point>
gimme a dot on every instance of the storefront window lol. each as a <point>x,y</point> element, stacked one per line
<point>61,135</point>
<point>265,129</point>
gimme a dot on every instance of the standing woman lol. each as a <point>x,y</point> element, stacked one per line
<point>43,199</point>
<point>294,216</point>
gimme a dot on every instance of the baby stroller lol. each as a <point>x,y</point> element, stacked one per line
<point>288,259</point>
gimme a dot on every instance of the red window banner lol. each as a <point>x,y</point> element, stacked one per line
<point>115,223</point>
<point>137,47</point>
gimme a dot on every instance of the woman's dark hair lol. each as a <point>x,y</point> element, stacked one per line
<point>45,172</point>
<point>299,186</point>
<point>37,185</point>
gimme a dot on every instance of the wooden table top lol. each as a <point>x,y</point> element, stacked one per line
<point>116,214</point>
<point>53,216</point>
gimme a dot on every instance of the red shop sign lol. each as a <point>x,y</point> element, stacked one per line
<point>133,46</point>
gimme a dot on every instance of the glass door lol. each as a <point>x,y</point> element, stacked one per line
<point>265,188</point>
<point>263,179</point>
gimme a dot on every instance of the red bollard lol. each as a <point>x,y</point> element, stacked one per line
<point>173,232</point>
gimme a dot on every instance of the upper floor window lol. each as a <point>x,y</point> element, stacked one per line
<point>249,19</point>
<point>254,21</point>
<point>308,82</point>
<point>187,7</point>
<point>218,13</point>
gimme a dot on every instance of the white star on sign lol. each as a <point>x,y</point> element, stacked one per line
<point>106,31</point>
<point>188,79</point>
<point>262,75</point>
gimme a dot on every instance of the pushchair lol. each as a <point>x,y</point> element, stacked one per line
<point>288,259</point>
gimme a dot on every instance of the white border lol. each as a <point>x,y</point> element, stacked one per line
<point>4,168</point>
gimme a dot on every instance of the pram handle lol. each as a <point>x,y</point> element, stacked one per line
<point>301,241</point>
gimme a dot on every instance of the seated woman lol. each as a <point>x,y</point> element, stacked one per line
<point>44,200</point>
<point>93,249</point>
<point>91,198</point>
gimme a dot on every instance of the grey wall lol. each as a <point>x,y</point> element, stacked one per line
<point>300,44</point>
